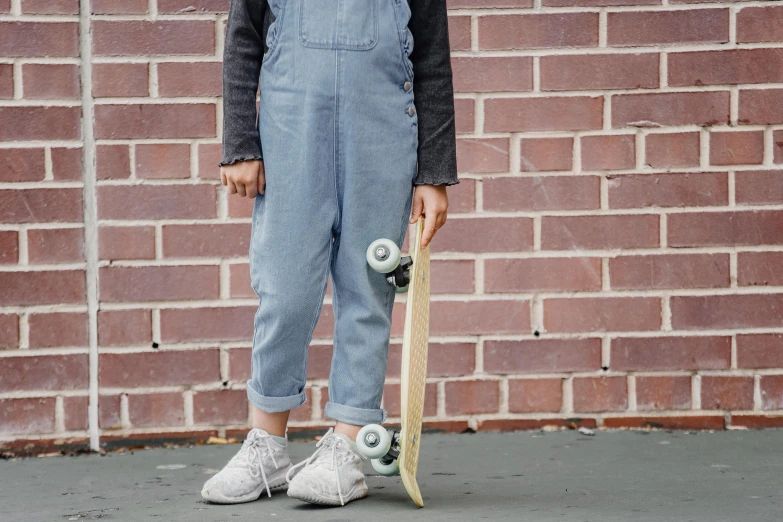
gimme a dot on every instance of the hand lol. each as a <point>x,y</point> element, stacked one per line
<point>432,202</point>
<point>245,178</point>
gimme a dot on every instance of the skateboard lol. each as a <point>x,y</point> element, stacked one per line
<point>391,451</point>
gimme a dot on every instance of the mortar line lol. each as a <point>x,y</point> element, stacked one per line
<point>90,215</point>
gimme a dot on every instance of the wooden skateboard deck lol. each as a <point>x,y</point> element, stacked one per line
<point>414,364</point>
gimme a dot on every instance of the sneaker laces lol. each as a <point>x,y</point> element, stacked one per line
<point>338,454</point>
<point>255,452</point>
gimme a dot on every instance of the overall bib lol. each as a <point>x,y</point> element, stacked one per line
<point>339,134</point>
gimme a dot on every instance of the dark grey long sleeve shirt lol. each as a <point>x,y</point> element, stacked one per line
<point>248,23</point>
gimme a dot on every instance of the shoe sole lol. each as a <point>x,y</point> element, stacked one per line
<point>305,494</point>
<point>255,495</point>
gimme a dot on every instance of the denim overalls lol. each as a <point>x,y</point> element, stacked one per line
<point>339,134</point>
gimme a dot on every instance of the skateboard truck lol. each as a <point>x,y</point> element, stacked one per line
<point>384,256</point>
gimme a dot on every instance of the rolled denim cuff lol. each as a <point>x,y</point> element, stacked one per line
<point>274,404</point>
<point>355,416</point>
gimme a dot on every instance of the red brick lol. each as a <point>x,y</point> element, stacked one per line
<point>726,393</point>
<point>636,28</point>
<point>119,6</point>
<point>155,120</point>
<point>755,422</point>
<point>602,314</point>
<point>490,425</point>
<point>193,6</point>
<point>55,245</point>
<point>464,114</point>
<point>459,33</point>
<point>51,81</point>
<point>599,232</point>
<point>737,148</point>
<point>6,81</point>
<point>669,271</point>
<point>42,287</point>
<point>760,107</point>
<point>462,197</point>
<point>158,283</point>
<point>725,228</point>
<point>305,411</point>
<point>319,360</point>
<point>492,74</point>
<point>608,152</point>
<point>443,360</point>
<point>771,392</point>
<point>762,187</point>
<point>542,154</point>
<point>597,3</point>
<point>140,37</point>
<point>124,327</point>
<point>663,393</point>
<point>50,6</point>
<point>600,394</point>
<point>595,72</point>
<point>566,113</point>
<point>240,280</point>
<point>27,416</point>
<point>760,351</point>
<point>209,155</point>
<point>134,242</point>
<point>160,368</point>
<point>691,422</point>
<point>156,409</point>
<point>25,123</point>
<point>109,411</point>
<point>671,353</point>
<point>22,165</point>
<point>9,331</point>
<point>220,407</point>
<point>542,193</point>
<point>391,399</point>
<point>469,4</point>
<point>760,269</point>
<point>207,324</point>
<point>668,190</point>
<point>240,207</point>
<point>542,356</point>
<point>9,247</point>
<point>75,413</point>
<point>485,235</point>
<point>727,311</point>
<point>67,163</point>
<point>477,317</point>
<point>670,109</point>
<point>542,274</point>
<point>535,395</point>
<point>163,160</point>
<point>471,397</point>
<point>190,79</point>
<point>452,277</point>
<point>224,240</point>
<point>112,161</point>
<point>34,39</point>
<point>672,149</point>
<point>482,155</point>
<point>511,31</point>
<point>54,330</point>
<point>120,80</point>
<point>44,372</point>
<point>760,24</point>
<point>738,66</point>
<point>157,202</point>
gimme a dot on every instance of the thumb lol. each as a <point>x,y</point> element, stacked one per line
<point>418,207</point>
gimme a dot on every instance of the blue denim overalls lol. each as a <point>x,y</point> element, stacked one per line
<point>339,134</point>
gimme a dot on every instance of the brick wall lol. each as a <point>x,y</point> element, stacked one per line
<point>613,255</point>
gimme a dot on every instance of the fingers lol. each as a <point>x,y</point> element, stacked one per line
<point>417,208</point>
<point>261,181</point>
<point>241,188</point>
<point>430,227</point>
<point>232,189</point>
<point>223,179</point>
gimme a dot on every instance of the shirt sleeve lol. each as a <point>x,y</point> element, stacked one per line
<point>433,93</point>
<point>242,57</point>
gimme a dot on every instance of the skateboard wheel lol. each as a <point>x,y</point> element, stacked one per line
<point>373,441</point>
<point>383,255</point>
<point>393,468</point>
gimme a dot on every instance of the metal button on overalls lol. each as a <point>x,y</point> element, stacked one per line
<point>407,86</point>
<point>411,111</point>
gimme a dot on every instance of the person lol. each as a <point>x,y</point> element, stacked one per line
<point>354,138</point>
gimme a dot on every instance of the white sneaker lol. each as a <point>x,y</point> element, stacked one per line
<point>261,464</point>
<point>332,475</point>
